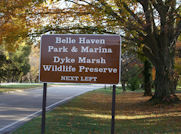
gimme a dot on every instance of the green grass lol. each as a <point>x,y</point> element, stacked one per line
<point>91,114</point>
<point>14,87</point>
<point>108,90</point>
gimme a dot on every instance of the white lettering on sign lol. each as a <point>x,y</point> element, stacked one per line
<point>70,78</point>
<point>61,68</point>
<point>97,70</point>
<point>84,40</point>
<point>67,40</point>
<point>88,49</point>
<point>55,49</point>
<point>57,59</point>
<point>77,78</point>
<point>87,60</point>
<point>88,78</point>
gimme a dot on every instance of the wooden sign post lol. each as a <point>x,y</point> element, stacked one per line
<point>80,59</point>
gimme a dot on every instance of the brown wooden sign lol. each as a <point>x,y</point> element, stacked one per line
<point>80,58</point>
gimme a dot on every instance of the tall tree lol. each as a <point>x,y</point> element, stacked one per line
<point>154,24</point>
<point>15,26</point>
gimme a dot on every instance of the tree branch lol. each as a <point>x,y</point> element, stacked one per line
<point>110,11</point>
<point>148,53</point>
<point>87,29</point>
<point>176,35</point>
<point>133,15</point>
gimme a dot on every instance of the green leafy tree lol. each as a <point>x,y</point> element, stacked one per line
<point>20,62</point>
<point>16,23</point>
<point>134,80</point>
<point>15,64</point>
<point>3,65</point>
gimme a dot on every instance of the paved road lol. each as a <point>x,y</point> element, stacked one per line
<point>18,107</point>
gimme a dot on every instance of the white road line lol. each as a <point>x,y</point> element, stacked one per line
<point>34,114</point>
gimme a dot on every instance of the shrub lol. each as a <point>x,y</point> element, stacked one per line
<point>133,83</point>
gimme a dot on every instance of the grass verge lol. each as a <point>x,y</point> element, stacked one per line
<point>24,86</point>
<point>91,114</point>
<point>15,87</point>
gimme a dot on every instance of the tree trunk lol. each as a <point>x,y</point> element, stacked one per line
<point>123,83</point>
<point>147,78</point>
<point>165,84</point>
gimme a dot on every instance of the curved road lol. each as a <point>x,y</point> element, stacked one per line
<point>19,107</point>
